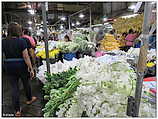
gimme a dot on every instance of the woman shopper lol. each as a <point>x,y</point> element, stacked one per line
<point>31,47</point>
<point>18,65</point>
<point>130,39</point>
<point>26,35</point>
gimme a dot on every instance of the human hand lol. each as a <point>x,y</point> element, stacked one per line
<point>32,74</point>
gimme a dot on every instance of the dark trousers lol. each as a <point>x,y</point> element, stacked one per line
<point>16,71</point>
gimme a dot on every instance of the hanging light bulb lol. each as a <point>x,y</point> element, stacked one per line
<point>73,24</point>
<point>61,27</point>
<point>29,22</point>
<point>81,15</point>
<point>63,18</point>
<point>104,19</point>
<point>77,23</point>
<point>30,28</point>
<point>31,11</point>
<point>132,7</point>
<point>153,2</point>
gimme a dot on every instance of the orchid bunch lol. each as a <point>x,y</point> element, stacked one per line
<point>105,84</point>
<point>103,90</point>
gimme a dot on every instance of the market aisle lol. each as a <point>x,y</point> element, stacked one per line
<point>34,110</point>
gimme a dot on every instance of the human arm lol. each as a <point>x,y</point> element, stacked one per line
<point>33,56</point>
<point>24,46</point>
<point>28,62</point>
<point>31,51</point>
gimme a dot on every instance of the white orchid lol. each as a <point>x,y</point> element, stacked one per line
<point>106,82</point>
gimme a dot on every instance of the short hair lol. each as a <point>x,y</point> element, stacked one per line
<point>131,31</point>
<point>26,31</point>
<point>14,30</point>
<point>66,36</point>
<point>124,34</point>
<point>111,32</point>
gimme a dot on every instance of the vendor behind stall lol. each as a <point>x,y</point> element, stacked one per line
<point>98,51</point>
<point>129,40</point>
<point>66,38</point>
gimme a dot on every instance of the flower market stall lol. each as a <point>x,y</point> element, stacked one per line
<point>77,67</point>
<point>98,87</point>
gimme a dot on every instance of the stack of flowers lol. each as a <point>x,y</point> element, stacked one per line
<point>67,47</point>
<point>53,52</point>
<point>109,43</point>
<point>105,84</point>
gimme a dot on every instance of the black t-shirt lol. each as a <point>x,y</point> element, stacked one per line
<point>13,48</point>
<point>28,43</point>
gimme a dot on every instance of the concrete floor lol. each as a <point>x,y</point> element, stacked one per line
<point>34,110</point>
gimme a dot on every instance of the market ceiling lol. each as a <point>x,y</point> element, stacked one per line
<point>19,9</point>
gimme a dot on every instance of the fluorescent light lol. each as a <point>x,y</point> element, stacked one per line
<point>104,19</point>
<point>63,18</point>
<point>153,2</point>
<point>81,15</point>
<point>30,28</point>
<point>73,24</point>
<point>77,23</point>
<point>29,22</point>
<point>61,27</point>
<point>31,11</point>
<point>132,7</point>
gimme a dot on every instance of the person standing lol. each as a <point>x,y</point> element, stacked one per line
<point>129,40</point>
<point>31,46</point>
<point>27,34</point>
<point>17,65</point>
<point>98,50</point>
<point>66,38</point>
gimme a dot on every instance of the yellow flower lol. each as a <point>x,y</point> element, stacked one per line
<point>150,64</point>
<point>109,43</point>
<point>52,53</point>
